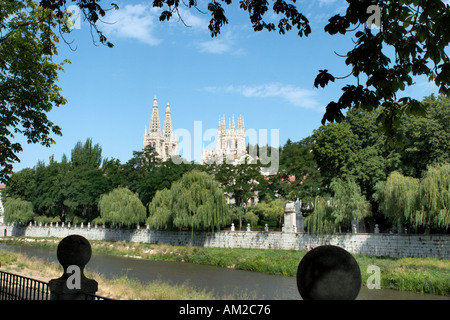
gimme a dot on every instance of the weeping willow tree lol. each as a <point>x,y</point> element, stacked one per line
<point>121,207</point>
<point>160,210</point>
<point>419,203</point>
<point>398,197</point>
<point>321,220</point>
<point>434,193</point>
<point>348,203</point>
<point>195,201</point>
<point>18,210</point>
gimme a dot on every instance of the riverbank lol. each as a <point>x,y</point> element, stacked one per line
<point>424,275</point>
<point>121,288</point>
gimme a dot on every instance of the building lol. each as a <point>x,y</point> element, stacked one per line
<point>165,143</point>
<point>230,143</point>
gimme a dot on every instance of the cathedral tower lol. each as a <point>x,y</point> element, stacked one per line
<point>165,144</point>
<point>230,142</point>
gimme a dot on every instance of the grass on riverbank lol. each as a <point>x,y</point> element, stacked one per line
<point>426,275</point>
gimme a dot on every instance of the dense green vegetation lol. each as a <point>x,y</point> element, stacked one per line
<point>195,201</point>
<point>343,172</point>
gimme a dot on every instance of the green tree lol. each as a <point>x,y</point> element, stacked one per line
<point>355,149</point>
<point>337,213</point>
<point>85,181</point>
<point>121,207</point>
<point>195,201</point>
<point>335,150</point>
<point>399,198</point>
<point>247,179</point>
<point>50,194</point>
<point>160,208</point>
<point>271,209</point>
<point>251,218</point>
<point>417,203</point>
<point>237,214</point>
<point>416,31</point>
<point>321,220</point>
<point>348,203</point>
<point>18,210</point>
<point>428,137</point>
<point>86,154</point>
<point>241,182</point>
<point>28,76</point>
<point>21,184</point>
<point>297,158</point>
<point>113,172</point>
<point>434,194</point>
<point>145,173</point>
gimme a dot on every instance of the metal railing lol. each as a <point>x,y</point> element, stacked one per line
<point>16,287</point>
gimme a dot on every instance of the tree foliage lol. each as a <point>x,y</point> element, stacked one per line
<point>434,194</point>
<point>21,184</point>
<point>146,174</point>
<point>69,189</point>
<point>240,181</point>
<point>195,201</point>
<point>160,209</point>
<point>357,148</point>
<point>270,209</point>
<point>297,159</point>
<point>121,207</point>
<point>321,220</point>
<point>337,212</point>
<point>398,197</point>
<point>417,32</point>
<point>348,202</point>
<point>417,203</point>
<point>428,138</point>
<point>28,76</point>
<point>18,210</point>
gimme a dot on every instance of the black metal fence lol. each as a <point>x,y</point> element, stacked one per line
<point>16,287</point>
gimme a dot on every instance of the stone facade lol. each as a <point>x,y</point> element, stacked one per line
<point>230,143</point>
<point>392,245</point>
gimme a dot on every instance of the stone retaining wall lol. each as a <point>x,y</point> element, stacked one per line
<point>392,245</point>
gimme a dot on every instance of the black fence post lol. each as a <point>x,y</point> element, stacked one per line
<point>73,253</point>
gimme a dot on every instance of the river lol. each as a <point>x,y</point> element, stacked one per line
<point>221,281</point>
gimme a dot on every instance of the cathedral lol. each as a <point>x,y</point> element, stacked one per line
<point>165,144</point>
<point>230,143</point>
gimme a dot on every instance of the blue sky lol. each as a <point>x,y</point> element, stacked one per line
<point>265,77</point>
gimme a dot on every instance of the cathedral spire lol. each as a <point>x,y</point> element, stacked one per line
<point>155,129</point>
<point>167,132</point>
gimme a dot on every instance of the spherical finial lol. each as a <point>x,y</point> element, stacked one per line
<point>328,273</point>
<point>74,250</point>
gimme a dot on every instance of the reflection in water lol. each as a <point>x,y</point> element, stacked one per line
<point>223,282</point>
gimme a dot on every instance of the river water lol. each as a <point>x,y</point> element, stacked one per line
<point>220,281</point>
